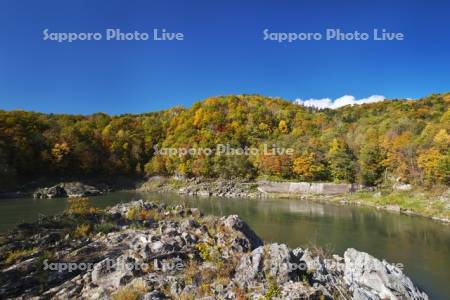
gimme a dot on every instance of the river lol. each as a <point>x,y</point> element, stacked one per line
<point>421,245</point>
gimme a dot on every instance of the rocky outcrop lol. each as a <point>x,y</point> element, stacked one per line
<point>68,189</point>
<point>370,278</point>
<point>356,276</point>
<point>150,251</point>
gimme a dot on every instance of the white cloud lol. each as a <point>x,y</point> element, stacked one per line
<point>339,102</point>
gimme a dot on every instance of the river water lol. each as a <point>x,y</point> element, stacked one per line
<point>421,245</point>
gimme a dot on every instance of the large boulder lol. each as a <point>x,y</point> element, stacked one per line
<point>78,189</point>
<point>250,267</point>
<point>67,189</point>
<point>370,278</point>
<point>50,192</point>
<point>275,261</point>
<point>234,223</point>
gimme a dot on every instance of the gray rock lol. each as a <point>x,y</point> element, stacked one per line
<point>110,274</point>
<point>279,262</point>
<point>154,295</point>
<point>78,189</point>
<point>50,192</point>
<point>204,193</point>
<point>393,208</point>
<point>402,187</point>
<point>275,261</point>
<point>368,276</point>
<point>298,290</point>
<point>68,189</point>
<point>188,224</point>
<point>250,267</point>
<point>233,222</point>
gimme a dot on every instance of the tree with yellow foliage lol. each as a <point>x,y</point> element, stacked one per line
<point>435,162</point>
<point>341,161</point>
<point>308,168</point>
<point>283,127</point>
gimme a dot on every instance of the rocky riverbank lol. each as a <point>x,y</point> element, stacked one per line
<point>435,206</point>
<point>69,186</point>
<point>403,199</point>
<point>142,250</point>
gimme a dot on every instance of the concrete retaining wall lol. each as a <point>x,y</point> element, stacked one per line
<point>304,187</point>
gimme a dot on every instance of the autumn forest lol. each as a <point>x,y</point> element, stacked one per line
<point>371,144</point>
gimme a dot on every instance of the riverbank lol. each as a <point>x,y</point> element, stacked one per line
<point>176,252</point>
<point>433,205</point>
<point>69,186</point>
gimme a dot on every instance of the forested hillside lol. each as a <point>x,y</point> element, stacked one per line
<point>369,144</point>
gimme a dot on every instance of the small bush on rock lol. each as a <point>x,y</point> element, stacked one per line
<point>82,230</point>
<point>104,227</point>
<point>133,291</point>
<point>13,256</point>
<point>80,206</point>
<point>273,290</point>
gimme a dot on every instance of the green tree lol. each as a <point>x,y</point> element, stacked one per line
<point>341,161</point>
<point>370,164</point>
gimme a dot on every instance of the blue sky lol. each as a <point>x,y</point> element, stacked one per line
<point>223,52</point>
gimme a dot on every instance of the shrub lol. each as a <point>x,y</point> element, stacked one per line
<point>273,290</point>
<point>204,289</point>
<point>132,213</point>
<point>133,291</point>
<point>136,213</point>
<point>240,294</point>
<point>82,230</point>
<point>104,227</point>
<point>203,250</point>
<point>149,215</point>
<point>15,255</point>
<point>80,206</point>
<point>191,272</point>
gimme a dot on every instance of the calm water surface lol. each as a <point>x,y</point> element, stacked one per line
<point>421,245</point>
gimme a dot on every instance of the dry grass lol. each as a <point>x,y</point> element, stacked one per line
<point>191,271</point>
<point>136,213</point>
<point>13,256</point>
<point>80,206</point>
<point>133,291</point>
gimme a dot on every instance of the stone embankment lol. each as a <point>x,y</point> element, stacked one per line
<point>326,188</point>
<point>238,188</point>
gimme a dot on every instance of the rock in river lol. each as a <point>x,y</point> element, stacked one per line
<point>67,189</point>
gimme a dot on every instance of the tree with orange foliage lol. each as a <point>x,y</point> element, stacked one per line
<point>308,167</point>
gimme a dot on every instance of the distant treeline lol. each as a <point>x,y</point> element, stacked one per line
<point>368,144</point>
